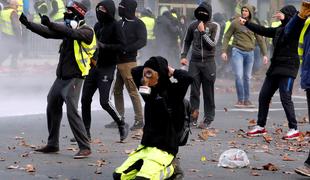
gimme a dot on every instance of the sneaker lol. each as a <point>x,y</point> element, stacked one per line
<point>194,117</point>
<point>204,125</point>
<point>47,149</point>
<point>84,153</point>
<point>257,131</point>
<point>111,125</point>
<point>123,131</point>
<point>248,104</point>
<point>291,134</point>
<point>239,104</point>
<point>304,171</point>
<point>137,125</point>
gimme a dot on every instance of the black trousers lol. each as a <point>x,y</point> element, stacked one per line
<point>102,78</point>
<point>307,162</point>
<point>67,91</point>
<point>204,73</point>
<point>270,86</point>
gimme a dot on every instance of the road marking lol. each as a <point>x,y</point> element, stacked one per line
<point>256,109</point>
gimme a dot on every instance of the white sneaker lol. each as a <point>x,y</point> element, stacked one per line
<point>291,134</point>
<point>257,131</point>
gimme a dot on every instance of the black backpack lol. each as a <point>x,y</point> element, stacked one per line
<point>184,133</point>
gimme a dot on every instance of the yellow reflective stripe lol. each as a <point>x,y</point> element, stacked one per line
<point>301,39</point>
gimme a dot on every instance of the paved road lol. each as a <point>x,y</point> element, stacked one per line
<point>19,133</point>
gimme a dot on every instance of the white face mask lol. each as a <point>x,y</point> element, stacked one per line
<point>71,23</point>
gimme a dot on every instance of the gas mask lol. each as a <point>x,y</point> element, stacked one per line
<point>149,79</point>
<point>69,20</point>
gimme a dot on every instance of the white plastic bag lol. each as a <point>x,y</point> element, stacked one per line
<point>233,158</point>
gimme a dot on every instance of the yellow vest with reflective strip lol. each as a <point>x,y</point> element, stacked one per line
<point>301,40</point>
<point>83,52</point>
<point>20,7</point>
<point>276,24</point>
<point>227,25</point>
<point>149,24</point>
<point>60,13</point>
<point>6,23</point>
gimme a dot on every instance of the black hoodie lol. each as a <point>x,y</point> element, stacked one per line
<point>134,29</point>
<point>284,60</point>
<point>111,38</point>
<point>203,43</point>
<point>164,108</point>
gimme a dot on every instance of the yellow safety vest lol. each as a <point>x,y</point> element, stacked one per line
<point>227,25</point>
<point>20,7</point>
<point>83,52</point>
<point>6,23</point>
<point>276,24</point>
<point>301,40</point>
<point>149,24</point>
<point>60,13</point>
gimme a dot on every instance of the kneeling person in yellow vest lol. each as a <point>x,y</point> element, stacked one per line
<point>163,89</point>
<point>78,45</point>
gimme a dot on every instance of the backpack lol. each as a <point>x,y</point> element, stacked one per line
<point>184,133</point>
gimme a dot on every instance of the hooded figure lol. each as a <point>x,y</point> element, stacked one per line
<point>280,74</point>
<point>164,111</point>
<point>127,9</point>
<point>202,36</point>
<point>102,77</point>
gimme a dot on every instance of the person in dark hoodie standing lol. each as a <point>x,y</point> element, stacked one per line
<point>78,45</point>
<point>203,36</point>
<point>242,59</point>
<point>135,35</point>
<point>299,25</point>
<point>102,77</point>
<point>281,73</point>
<point>164,111</point>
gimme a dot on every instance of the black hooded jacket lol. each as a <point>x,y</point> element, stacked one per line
<point>203,43</point>
<point>134,30</point>
<point>164,108</point>
<point>284,60</point>
<point>111,39</point>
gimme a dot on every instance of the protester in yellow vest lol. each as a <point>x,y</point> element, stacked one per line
<point>58,9</point>
<point>40,7</point>
<point>77,47</point>
<point>149,20</point>
<point>11,33</point>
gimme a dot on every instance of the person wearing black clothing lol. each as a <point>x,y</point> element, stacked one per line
<point>102,76</point>
<point>135,37</point>
<point>164,118</point>
<point>167,32</point>
<point>202,35</point>
<point>281,73</point>
<point>78,45</point>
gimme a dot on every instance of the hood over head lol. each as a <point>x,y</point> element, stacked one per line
<point>289,11</point>
<point>127,9</point>
<point>160,65</point>
<point>203,7</point>
<point>146,12</point>
<point>251,10</point>
<point>110,8</point>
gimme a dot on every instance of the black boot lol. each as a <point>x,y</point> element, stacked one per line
<point>123,130</point>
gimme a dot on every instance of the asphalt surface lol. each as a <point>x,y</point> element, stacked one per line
<point>23,127</point>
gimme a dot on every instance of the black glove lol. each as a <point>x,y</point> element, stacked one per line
<point>45,20</point>
<point>23,19</point>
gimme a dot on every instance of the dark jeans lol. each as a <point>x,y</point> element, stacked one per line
<point>204,74</point>
<point>67,91</point>
<point>270,86</point>
<point>104,80</point>
<point>307,162</point>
